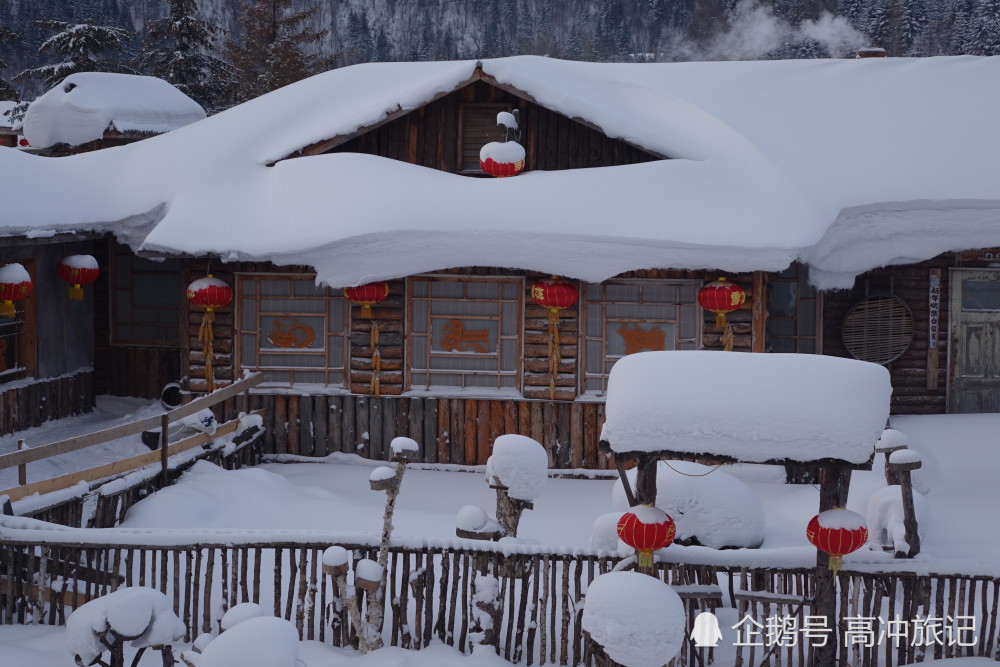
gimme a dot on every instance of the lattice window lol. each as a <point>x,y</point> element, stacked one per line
<point>878,329</point>
<point>794,313</point>
<point>478,128</point>
<point>146,300</point>
<point>464,332</point>
<point>292,330</point>
<point>11,342</point>
<point>634,316</point>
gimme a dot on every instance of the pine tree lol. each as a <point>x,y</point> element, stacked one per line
<point>84,48</point>
<point>360,43</point>
<point>383,47</point>
<point>427,44</point>
<point>275,48</point>
<point>178,49</point>
<point>987,31</point>
<point>7,90</point>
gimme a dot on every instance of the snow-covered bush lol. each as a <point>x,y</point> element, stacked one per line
<point>240,613</point>
<point>638,620</point>
<point>520,464</point>
<point>712,506</point>
<point>884,517</point>
<point>261,641</point>
<point>604,534</point>
<point>143,616</point>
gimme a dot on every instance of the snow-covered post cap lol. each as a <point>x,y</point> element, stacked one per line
<point>383,478</point>
<point>367,574</point>
<point>519,465</point>
<point>335,561</point>
<point>472,523</point>
<point>404,449</point>
<point>890,441</point>
<point>904,459</point>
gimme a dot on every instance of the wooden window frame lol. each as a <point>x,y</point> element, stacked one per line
<point>26,333</point>
<point>518,336</point>
<point>800,278</point>
<point>496,107</point>
<point>584,338</point>
<point>115,253</point>
<point>329,371</point>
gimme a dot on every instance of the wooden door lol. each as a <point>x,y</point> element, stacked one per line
<point>975,341</point>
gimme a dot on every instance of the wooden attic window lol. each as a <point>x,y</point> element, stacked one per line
<point>878,329</point>
<point>477,126</point>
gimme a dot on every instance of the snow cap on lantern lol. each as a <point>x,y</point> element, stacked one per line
<point>502,158</point>
<point>210,292</point>
<point>837,532</point>
<point>77,271</point>
<point>367,295</point>
<point>15,284</point>
<point>720,297</point>
<point>646,528</point>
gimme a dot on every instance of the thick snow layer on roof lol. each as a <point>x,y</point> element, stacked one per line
<point>846,164</point>
<point>85,105</point>
<point>751,407</point>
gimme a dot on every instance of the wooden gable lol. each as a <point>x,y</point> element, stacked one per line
<point>432,135</point>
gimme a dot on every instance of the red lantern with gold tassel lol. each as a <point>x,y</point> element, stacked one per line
<point>554,294</point>
<point>77,271</point>
<point>210,293</point>
<point>646,528</point>
<point>15,284</point>
<point>837,532</point>
<point>367,296</point>
<point>721,297</point>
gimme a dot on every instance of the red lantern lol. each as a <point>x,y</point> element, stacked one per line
<point>210,293</point>
<point>78,270</point>
<point>837,532</point>
<point>367,296</point>
<point>502,158</point>
<point>15,284</point>
<point>721,297</point>
<point>555,295</point>
<point>646,529</point>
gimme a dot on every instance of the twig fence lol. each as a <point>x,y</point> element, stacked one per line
<point>541,595</point>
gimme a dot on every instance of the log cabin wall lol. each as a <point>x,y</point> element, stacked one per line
<point>429,136</point>
<point>914,392</point>
<point>315,421</point>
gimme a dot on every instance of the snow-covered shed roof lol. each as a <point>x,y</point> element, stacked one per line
<point>84,106</point>
<point>753,408</point>
<point>845,164</point>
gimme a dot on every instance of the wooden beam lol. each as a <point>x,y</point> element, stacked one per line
<point>758,327</point>
<point>118,467</point>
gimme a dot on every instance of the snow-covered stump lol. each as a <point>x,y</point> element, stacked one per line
<point>901,463</point>
<point>517,470</point>
<point>486,608</point>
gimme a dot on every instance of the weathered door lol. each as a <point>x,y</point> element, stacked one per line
<point>975,341</point>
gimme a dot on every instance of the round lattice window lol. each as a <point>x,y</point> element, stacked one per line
<point>878,329</point>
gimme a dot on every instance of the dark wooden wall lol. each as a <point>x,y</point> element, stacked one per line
<point>910,393</point>
<point>429,136</point>
<point>26,405</point>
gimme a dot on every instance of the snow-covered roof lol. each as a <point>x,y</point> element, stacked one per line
<point>84,106</point>
<point>752,408</point>
<point>845,164</point>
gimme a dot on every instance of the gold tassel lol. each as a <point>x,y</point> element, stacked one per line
<point>76,293</point>
<point>835,563</point>
<point>554,356</point>
<point>373,336</point>
<point>374,386</point>
<point>645,559</point>
<point>728,339</point>
<point>366,310</point>
<point>377,361</point>
<point>720,320</point>
<point>206,336</point>
<point>7,309</point>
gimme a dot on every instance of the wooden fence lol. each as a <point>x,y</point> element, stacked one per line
<point>541,595</point>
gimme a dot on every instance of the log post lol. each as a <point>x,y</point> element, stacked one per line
<point>509,510</point>
<point>22,470</point>
<point>834,484</point>
<point>164,450</point>
<point>645,480</point>
<point>901,464</point>
<point>891,441</point>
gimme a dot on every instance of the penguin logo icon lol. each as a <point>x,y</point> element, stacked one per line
<point>706,633</point>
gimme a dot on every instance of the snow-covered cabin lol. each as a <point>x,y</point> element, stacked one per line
<point>92,110</point>
<point>854,200</point>
<point>8,136</point>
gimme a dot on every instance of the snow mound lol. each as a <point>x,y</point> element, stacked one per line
<point>638,620</point>
<point>14,273</point>
<point>905,456</point>
<point>401,445</point>
<point>604,534</point>
<point>892,438</point>
<point>368,569</point>
<point>263,641</point>
<point>381,473</point>
<point>751,407</point>
<point>143,615</point>
<point>884,516</point>
<point>520,464</point>
<point>709,505</point>
<point>334,556</point>
<point>505,152</point>
<point>240,613</point>
<point>83,106</point>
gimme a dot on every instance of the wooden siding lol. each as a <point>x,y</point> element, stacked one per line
<point>910,392</point>
<point>429,136</point>
<point>36,403</point>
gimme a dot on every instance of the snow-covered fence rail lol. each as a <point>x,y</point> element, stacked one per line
<point>69,510</point>
<point>430,597</point>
